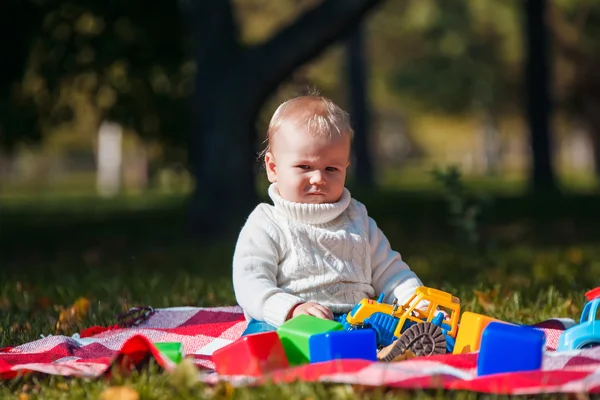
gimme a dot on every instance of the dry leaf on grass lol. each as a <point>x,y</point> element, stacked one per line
<point>485,299</point>
<point>74,314</point>
<point>119,393</point>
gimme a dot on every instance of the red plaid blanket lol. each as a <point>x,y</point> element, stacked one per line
<point>203,330</point>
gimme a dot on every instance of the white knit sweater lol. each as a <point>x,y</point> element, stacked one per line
<point>333,254</point>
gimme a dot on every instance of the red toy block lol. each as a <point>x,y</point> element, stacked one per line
<point>251,355</point>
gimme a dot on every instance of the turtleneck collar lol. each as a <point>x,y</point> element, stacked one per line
<point>309,213</point>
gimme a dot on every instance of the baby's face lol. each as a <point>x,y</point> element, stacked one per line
<point>308,169</point>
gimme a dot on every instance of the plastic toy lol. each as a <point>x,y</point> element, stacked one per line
<point>357,344</point>
<point>295,334</point>
<point>510,348</point>
<point>251,355</point>
<point>592,294</point>
<point>423,332</point>
<point>472,325</point>
<point>587,333</point>
<point>171,350</point>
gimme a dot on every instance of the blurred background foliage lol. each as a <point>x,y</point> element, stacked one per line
<point>445,83</point>
<point>445,86</point>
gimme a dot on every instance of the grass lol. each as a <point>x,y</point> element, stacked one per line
<point>537,258</point>
<point>181,384</point>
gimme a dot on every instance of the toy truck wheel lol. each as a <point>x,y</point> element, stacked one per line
<point>589,345</point>
<point>424,339</point>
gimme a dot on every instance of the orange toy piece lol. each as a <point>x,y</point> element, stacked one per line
<point>470,330</point>
<point>251,355</point>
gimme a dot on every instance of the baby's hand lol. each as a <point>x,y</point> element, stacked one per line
<point>314,309</point>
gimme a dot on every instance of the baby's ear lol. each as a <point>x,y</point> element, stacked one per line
<point>271,167</point>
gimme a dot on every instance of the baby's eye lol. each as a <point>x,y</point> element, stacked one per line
<point>303,166</point>
<point>331,169</point>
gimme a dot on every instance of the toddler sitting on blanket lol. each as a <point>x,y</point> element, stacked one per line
<point>315,251</point>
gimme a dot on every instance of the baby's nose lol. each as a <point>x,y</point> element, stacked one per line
<point>317,178</point>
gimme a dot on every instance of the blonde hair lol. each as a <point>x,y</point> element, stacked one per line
<point>318,115</point>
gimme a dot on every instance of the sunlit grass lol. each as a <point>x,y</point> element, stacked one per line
<point>130,251</point>
<point>418,178</point>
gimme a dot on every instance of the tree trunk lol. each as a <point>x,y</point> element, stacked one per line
<point>537,78</point>
<point>359,107</point>
<point>224,190</point>
<point>20,23</point>
<point>231,85</point>
<point>595,136</point>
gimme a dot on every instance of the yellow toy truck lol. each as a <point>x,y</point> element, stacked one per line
<point>416,325</point>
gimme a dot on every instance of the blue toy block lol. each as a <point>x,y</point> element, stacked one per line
<point>510,348</point>
<point>357,344</point>
<point>296,332</point>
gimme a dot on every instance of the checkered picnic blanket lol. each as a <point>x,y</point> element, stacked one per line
<point>203,330</point>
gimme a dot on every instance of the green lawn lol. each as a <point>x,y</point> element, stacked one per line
<point>536,259</point>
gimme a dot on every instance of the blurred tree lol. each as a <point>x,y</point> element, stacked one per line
<point>121,61</point>
<point>466,57</point>
<point>539,103</point>
<point>575,29</point>
<point>18,23</point>
<point>459,61</point>
<point>232,84</point>
<point>360,112</point>
<point>136,63</point>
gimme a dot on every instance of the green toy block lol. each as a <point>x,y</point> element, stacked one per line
<point>172,350</point>
<point>294,336</point>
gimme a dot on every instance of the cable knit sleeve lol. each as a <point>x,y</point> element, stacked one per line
<point>255,264</point>
<point>390,275</point>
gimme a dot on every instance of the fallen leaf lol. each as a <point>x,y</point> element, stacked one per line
<point>74,314</point>
<point>119,393</point>
<point>485,299</point>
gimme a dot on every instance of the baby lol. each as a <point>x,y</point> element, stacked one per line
<point>315,251</point>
